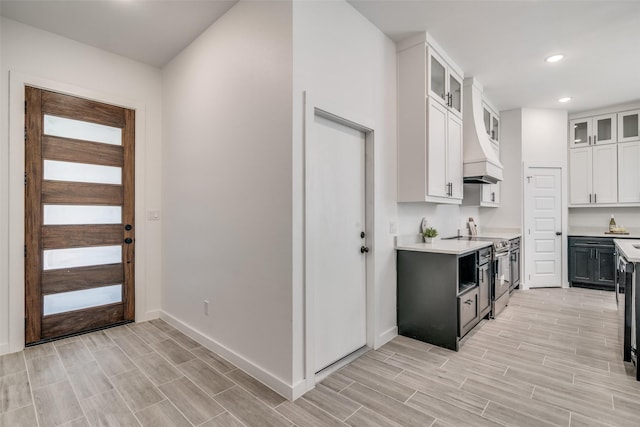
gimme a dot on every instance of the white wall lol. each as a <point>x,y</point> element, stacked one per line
<point>447,219</point>
<point>343,58</point>
<point>599,217</point>
<point>227,189</point>
<point>509,214</point>
<point>544,135</point>
<point>55,62</point>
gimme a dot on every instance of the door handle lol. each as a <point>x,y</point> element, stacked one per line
<point>128,227</point>
<point>362,234</point>
<point>128,240</point>
<point>558,233</point>
<point>364,249</point>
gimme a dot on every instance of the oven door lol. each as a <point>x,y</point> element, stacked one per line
<point>502,276</point>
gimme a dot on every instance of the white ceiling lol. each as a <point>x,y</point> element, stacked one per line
<point>503,43</point>
<point>149,31</point>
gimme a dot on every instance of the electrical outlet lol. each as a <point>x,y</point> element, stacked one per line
<point>206,307</point>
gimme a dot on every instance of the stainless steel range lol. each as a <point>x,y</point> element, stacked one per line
<point>501,271</point>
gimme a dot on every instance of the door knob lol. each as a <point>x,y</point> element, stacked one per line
<point>362,234</point>
<point>128,240</point>
<point>364,249</point>
<point>128,227</point>
<point>558,233</point>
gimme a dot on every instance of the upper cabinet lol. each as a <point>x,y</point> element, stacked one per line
<point>604,159</point>
<point>429,124</point>
<point>444,82</point>
<point>629,126</point>
<point>595,130</point>
<point>491,122</point>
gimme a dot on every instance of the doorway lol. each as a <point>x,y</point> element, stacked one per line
<point>337,236</point>
<point>543,226</point>
<point>79,215</point>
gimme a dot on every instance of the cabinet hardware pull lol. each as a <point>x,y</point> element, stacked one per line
<point>595,198</point>
<point>468,301</point>
<point>589,138</point>
<point>589,197</point>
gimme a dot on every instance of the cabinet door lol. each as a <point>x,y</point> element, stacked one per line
<point>486,114</point>
<point>580,171</point>
<point>605,266</point>
<point>454,156</point>
<point>491,193</point>
<point>436,76</point>
<point>484,277</point>
<point>437,183</point>
<point>580,133</point>
<point>629,172</point>
<point>580,264</point>
<point>455,92</point>
<point>629,126</point>
<point>604,129</point>
<point>495,129</point>
<point>605,174</point>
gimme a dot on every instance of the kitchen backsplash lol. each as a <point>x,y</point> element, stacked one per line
<point>599,217</point>
<point>447,219</point>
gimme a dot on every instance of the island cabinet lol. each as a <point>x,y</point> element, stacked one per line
<point>442,296</point>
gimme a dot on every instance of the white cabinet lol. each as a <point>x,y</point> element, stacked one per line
<point>483,195</point>
<point>491,123</point>
<point>595,130</point>
<point>444,83</point>
<point>629,126</point>
<point>429,125</point>
<point>593,175</point>
<point>629,172</point>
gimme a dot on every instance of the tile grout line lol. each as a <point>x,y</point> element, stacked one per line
<point>33,400</point>
<point>66,374</point>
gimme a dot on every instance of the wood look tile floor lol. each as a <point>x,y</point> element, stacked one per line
<point>552,358</point>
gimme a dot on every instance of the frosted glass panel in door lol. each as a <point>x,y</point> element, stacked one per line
<point>580,133</point>
<point>77,300</point>
<point>81,257</point>
<point>487,121</point>
<point>78,214</point>
<point>455,88</point>
<point>630,126</point>
<point>438,78</point>
<point>603,129</point>
<point>77,129</point>
<point>82,172</point>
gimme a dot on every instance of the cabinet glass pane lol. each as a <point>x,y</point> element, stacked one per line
<point>77,129</point>
<point>487,121</point>
<point>77,300</point>
<point>604,129</point>
<point>580,133</point>
<point>437,78</point>
<point>78,214</point>
<point>495,129</point>
<point>456,93</point>
<point>82,172</point>
<point>630,126</point>
<point>81,257</point>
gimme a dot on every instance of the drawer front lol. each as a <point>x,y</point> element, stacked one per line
<point>468,314</point>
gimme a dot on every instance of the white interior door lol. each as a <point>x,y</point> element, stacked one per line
<point>336,267</point>
<point>543,225</point>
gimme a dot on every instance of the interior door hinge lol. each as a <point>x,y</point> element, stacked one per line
<point>25,251</point>
<point>25,134</point>
<point>25,107</point>
<point>25,178</point>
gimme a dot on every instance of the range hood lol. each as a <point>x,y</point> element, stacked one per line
<point>481,162</point>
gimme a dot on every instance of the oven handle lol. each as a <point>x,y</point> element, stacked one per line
<point>501,254</point>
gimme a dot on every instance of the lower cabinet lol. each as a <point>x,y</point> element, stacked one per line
<point>468,310</point>
<point>592,262</point>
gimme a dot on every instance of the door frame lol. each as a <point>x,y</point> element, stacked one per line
<point>564,216</point>
<point>333,112</point>
<point>16,194</point>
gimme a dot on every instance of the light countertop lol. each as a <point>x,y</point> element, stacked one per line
<point>453,247</point>
<point>634,233</point>
<point>629,248</point>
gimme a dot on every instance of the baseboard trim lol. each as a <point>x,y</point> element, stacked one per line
<point>256,371</point>
<point>150,315</point>
<point>385,337</point>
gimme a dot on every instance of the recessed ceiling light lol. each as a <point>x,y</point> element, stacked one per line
<point>555,58</point>
<point>565,99</point>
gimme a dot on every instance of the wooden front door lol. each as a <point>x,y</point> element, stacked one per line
<point>79,215</point>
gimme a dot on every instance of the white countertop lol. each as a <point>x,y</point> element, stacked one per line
<point>634,233</point>
<point>453,247</point>
<point>628,249</point>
